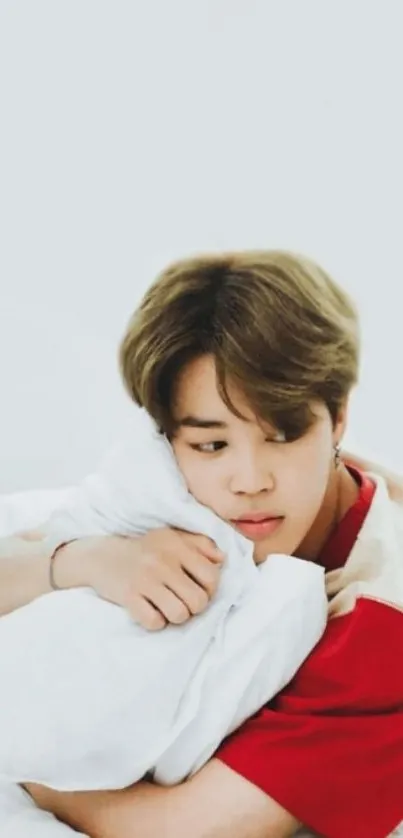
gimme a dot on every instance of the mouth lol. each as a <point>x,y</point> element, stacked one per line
<point>258,526</point>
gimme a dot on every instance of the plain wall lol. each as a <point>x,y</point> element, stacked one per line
<point>136,132</point>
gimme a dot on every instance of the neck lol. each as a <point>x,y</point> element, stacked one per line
<point>341,493</point>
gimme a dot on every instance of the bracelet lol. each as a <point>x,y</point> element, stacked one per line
<point>53,584</point>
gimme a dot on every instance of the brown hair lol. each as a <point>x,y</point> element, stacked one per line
<point>278,326</point>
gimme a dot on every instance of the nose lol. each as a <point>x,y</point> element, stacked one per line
<point>251,475</point>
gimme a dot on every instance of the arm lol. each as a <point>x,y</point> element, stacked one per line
<point>24,569</point>
<point>215,803</point>
<point>148,575</point>
<point>24,572</point>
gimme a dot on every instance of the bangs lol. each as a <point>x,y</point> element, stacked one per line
<point>270,402</point>
<point>263,363</point>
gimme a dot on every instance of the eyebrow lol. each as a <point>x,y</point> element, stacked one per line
<point>197,422</point>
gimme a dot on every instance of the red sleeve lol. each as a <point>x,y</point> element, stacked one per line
<point>329,749</point>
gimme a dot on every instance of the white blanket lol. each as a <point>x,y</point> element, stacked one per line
<point>89,700</point>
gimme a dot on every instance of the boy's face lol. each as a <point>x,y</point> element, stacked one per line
<point>242,470</point>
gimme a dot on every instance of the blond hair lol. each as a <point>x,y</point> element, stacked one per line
<point>279,328</point>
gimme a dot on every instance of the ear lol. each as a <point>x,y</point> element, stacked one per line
<point>340,424</point>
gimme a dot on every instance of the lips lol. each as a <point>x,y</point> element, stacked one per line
<point>256,517</point>
<point>258,526</point>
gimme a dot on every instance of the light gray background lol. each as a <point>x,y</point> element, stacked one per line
<point>136,132</point>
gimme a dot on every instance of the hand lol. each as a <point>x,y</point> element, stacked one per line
<point>72,807</point>
<point>165,576</point>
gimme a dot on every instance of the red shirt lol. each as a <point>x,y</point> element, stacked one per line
<point>329,747</point>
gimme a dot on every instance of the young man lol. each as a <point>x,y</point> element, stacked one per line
<point>247,362</point>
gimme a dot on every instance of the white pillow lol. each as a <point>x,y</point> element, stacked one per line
<point>22,511</point>
<point>88,699</point>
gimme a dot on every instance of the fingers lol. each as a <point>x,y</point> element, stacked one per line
<point>162,606</point>
<point>205,545</point>
<point>144,612</point>
<point>174,578</point>
<point>172,607</point>
<point>194,595</point>
<point>32,535</point>
<point>204,573</point>
<point>175,601</point>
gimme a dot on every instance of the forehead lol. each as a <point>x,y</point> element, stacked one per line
<point>196,393</point>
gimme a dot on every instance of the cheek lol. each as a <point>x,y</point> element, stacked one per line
<point>198,478</point>
<point>309,472</point>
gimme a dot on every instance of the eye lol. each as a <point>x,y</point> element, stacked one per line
<point>208,447</point>
<point>279,437</point>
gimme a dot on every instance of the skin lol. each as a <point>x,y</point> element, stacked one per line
<point>238,467</point>
<point>246,466</point>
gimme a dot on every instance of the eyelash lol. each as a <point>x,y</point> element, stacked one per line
<point>199,446</point>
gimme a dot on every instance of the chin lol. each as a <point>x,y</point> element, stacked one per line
<point>260,554</point>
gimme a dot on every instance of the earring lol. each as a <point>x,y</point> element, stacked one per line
<point>337,454</point>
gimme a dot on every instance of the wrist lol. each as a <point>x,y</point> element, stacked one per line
<point>74,563</point>
<point>81,563</point>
